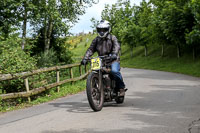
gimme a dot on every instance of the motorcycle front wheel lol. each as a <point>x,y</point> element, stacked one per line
<point>95,95</point>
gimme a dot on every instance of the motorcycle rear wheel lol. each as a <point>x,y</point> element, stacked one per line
<point>94,94</point>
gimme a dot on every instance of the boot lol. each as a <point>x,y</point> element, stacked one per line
<point>121,92</point>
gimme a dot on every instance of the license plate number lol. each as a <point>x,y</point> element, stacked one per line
<point>96,63</point>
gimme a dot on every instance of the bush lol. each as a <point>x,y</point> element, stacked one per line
<point>62,49</point>
<point>59,51</point>
<point>47,59</point>
<point>14,60</point>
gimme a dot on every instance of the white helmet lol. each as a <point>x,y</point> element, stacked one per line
<point>103,28</point>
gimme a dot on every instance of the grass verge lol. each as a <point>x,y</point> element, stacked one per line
<point>169,63</point>
<point>65,90</point>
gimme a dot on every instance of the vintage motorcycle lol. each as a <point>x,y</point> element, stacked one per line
<point>101,84</point>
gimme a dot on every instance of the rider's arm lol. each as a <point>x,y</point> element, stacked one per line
<point>91,49</point>
<point>116,45</point>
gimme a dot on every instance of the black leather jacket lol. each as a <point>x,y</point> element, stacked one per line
<point>104,46</point>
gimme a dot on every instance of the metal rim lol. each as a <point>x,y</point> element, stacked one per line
<point>96,94</point>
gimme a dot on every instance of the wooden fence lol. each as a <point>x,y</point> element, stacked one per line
<point>26,75</point>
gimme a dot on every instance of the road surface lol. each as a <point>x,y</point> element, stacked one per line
<point>156,102</point>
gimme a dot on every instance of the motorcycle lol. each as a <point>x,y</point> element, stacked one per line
<point>101,85</point>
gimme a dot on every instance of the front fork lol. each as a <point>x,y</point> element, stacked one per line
<point>100,80</point>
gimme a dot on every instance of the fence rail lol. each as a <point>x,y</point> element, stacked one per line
<point>26,75</point>
<point>34,72</point>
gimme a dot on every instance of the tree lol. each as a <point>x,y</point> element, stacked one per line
<point>8,17</point>
<point>157,21</point>
<point>130,31</point>
<point>25,9</point>
<point>158,35</point>
<point>174,24</point>
<point>131,36</point>
<point>193,32</point>
<point>57,15</point>
<point>94,24</point>
<point>193,39</point>
<point>121,16</point>
<point>144,21</point>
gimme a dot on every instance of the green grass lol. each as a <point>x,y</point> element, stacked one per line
<point>170,63</point>
<point>65,90</point>
<point>81,48</point>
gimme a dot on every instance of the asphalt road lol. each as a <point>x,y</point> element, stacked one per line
<point>156,102</point>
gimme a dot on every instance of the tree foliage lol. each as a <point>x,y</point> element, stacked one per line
<point>8,17</point>
<point>48,20</point>
<point>13,59</point>
<point>164,22</point>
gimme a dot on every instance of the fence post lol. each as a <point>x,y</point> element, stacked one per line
<point>27,88</point>
<point>71,74</point>
<point>85,68</point>
<point>80,70</point>
<point>58,79</point>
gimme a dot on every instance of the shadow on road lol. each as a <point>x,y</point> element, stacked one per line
<point>83,107</point>
<point>74,107</point>
<point>127,130</point>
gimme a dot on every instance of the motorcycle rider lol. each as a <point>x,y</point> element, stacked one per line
<point>107,44</point>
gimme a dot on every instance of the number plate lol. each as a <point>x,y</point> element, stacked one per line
<point>96,64</point>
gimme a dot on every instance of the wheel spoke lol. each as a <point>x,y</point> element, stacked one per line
<point>95,91</point>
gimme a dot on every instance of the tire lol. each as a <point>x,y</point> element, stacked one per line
<point>119,100</point>
<point>94,95</point>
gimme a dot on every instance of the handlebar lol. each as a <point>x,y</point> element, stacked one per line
<point>105,57</point>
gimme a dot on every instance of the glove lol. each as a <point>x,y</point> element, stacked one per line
<point>114,57</point>
<point>83,62</point>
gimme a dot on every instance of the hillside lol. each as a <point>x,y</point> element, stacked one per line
<point>185,65</point>
<point>79,50</point>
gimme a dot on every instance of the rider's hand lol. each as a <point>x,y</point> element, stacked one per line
<point>114,57</point>
<point>83,62</point>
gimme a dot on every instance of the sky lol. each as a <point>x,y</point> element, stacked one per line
<point>84,23</point>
